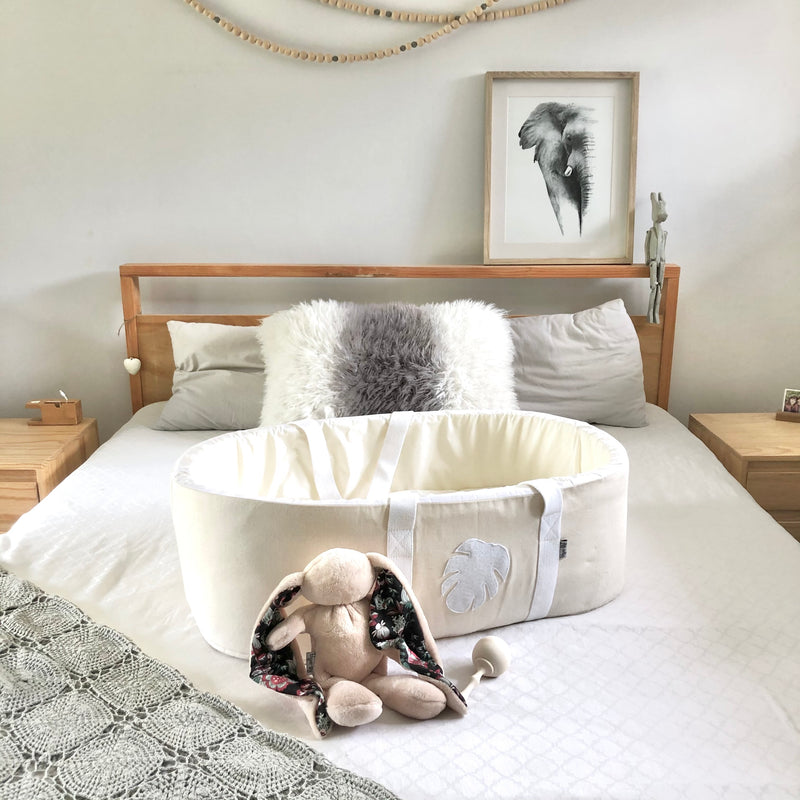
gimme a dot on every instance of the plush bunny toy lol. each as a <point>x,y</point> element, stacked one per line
<point>360,611</point>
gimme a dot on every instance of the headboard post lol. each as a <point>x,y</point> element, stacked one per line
<point>667,312</point>
<point>131,310</point>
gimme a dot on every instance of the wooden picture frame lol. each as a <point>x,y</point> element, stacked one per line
<point>560,167</point>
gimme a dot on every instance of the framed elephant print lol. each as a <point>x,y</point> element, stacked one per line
<point>560,167</point>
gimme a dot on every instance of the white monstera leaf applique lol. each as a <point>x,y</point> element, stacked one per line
<point>473,574</point>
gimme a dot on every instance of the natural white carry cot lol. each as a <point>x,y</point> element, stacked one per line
<point>494,517</point>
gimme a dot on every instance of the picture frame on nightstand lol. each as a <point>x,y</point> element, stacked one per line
<point>790,407</point>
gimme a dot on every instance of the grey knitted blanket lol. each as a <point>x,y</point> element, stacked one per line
<point>85,714</point>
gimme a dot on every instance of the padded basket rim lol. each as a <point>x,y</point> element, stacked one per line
<point>182,477</point>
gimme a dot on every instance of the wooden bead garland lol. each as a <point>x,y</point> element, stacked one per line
<point>448,23</point>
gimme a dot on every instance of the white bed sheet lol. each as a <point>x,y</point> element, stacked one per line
<point>685,686</point>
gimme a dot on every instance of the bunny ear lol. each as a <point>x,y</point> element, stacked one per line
<point>282,595</point>
<point>397,621</point>
<point>281,670</point>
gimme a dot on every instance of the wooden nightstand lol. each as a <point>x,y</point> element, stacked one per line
<point>763,454</point>
<point>36,458</point>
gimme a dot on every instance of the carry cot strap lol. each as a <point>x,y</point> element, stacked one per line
<point>549,547</point>
<point>389,457</point>
<point>400,531</point>
<point>402,504</point>
<point>320,459</point>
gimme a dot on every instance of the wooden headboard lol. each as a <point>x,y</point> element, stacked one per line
<point>148,338</point>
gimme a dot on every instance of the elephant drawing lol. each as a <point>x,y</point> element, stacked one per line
<point>561,134</point>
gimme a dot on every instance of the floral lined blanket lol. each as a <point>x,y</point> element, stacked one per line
<point>85,713</point>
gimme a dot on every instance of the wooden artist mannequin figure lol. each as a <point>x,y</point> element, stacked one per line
<point>655,243</point>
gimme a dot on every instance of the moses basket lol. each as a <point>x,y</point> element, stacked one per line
<point>494,517</point>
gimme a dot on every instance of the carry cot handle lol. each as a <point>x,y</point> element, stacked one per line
<point>320,459</point>
<point>549,546</point>
<point>396,430</point>
<point>389,457</point>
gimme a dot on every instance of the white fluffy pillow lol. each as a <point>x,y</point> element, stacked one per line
<point>326,358</point>
<point>586,366</point>
<point>218,382</point>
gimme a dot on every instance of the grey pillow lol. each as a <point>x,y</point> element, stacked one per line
<point>218,382</point>
<point>586,366</point>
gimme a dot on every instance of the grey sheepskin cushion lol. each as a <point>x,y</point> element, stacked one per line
<point>332,359</point>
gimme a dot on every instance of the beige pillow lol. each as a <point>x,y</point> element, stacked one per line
<point>218,382</point>
<point>586,366</point>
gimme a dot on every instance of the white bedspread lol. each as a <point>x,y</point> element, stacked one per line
<point>686,686</point>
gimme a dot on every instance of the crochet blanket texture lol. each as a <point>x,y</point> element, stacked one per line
<point>85,713</point>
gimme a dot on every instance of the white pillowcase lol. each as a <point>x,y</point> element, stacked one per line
<point>586,366</point>
<point>218,382</point>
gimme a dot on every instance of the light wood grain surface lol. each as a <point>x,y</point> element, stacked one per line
<point>35,459</point>
<point>763,454</point>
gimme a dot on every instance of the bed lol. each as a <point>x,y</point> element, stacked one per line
<point>687,685</point>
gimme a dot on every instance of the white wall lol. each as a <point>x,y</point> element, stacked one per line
<point>142,132</point>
